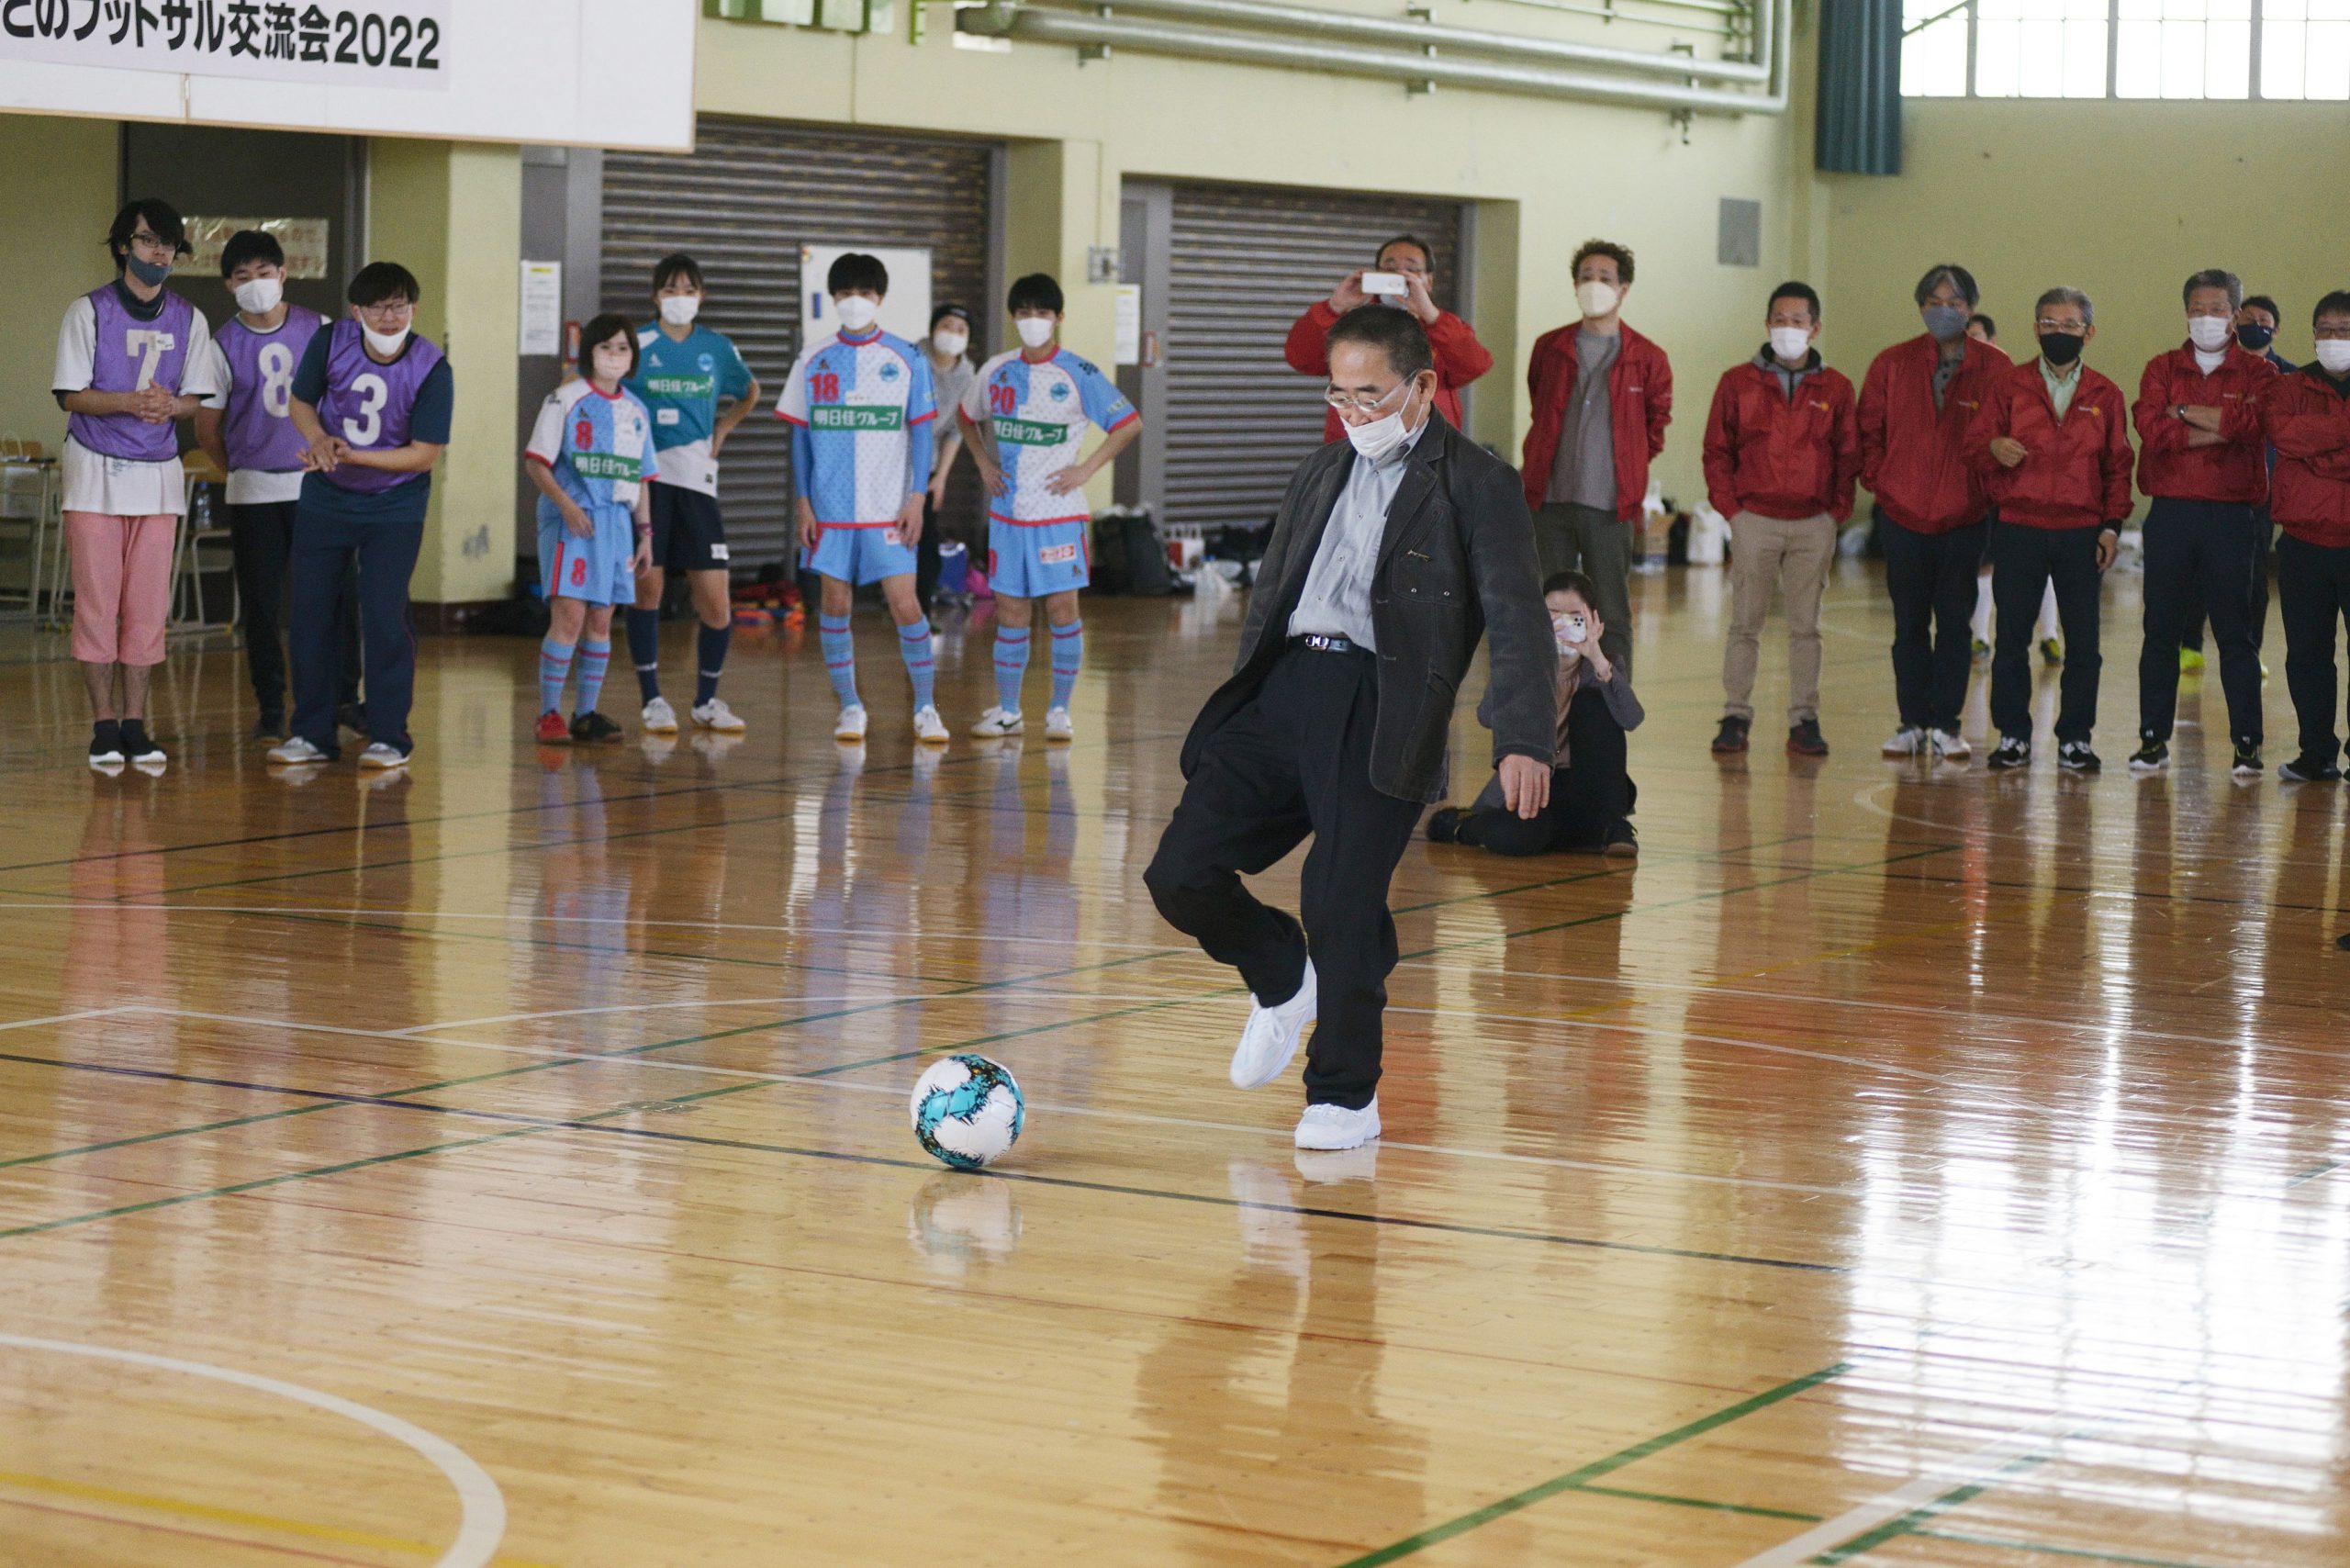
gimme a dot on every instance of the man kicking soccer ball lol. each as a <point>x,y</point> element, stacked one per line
<point>1026,415</point>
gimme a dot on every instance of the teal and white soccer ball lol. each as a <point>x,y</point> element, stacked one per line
<point>967,1111</point>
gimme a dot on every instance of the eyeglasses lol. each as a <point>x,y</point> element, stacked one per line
<point>1350,402</point>
<point>143,241</point>
<point>2047,326</point>
<point>388,310</point>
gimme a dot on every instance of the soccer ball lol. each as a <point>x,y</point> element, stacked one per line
<point>967,1111</point>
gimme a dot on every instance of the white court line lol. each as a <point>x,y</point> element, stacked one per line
<point>67,1017</point>
<point>1980,1465</point>
<point>482,1522</point>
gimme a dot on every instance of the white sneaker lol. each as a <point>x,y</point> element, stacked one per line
<point>1058,726</point>
<point>850,726</point>
<point>929,728</point>
<point>1908,741</point>
<point>382,755</point>
<point>1946,744</point>
<point>999,722</point>
<point>659,718</point>
<point>1271,1038</point>
<point>294,752</point>
<point>1335,1127</point>
<point>715,714</point>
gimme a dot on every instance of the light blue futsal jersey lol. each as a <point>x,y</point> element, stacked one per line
<point>683,383</point>
<point>599,450</point>
<point>856,408</point>
<point>1038,411</point>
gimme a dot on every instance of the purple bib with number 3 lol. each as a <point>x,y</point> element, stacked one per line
<point>128,355</point>
<point>368,404</point>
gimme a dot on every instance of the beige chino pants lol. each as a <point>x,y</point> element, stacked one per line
<point>1794,556</point>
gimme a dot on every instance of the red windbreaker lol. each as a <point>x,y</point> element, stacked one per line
<point>2077,472</point>
<point>1639,405</point>
<point>1912,456</point>
<point>2237,471</point>
<point>2307,419</point>
<point>1460,359</point>
<point>1777,457</point>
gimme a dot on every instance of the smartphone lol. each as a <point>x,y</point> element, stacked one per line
<point>1385,283</point>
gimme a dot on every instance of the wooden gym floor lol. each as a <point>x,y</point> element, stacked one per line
<point>509,1163</point>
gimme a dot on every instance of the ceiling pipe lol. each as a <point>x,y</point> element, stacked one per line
<point>1021,21</point>
<point>1310,21</point>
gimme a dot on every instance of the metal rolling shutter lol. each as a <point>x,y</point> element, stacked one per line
<point>1244,262</point>
<point>743,202</point>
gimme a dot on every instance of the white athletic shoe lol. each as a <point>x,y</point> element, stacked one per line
<point>1908,741</point>
<point>929,728</point>
<point>999,722</point>
<point>850,726</point>
<point>715,714</point>
<point>1335,1127</point>
<point>1949,747</point>
<point>1271,1036</point>
<point>659,718</point>
<point>382,755</point>
<point>294,753</point>
<point>1058,726</point>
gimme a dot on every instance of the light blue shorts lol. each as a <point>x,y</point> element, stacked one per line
<point>1029,560</point>
<point>861,555</point>
<point>593,570</point>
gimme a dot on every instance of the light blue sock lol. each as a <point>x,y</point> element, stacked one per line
<point>913,646</point>
<point>594,658</point>
<point>1068,655</point>
<point>839,656</point>
<point>1011,665</point>
<point>554,667</point>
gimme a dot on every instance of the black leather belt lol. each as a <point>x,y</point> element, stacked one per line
<point>1314,642</point>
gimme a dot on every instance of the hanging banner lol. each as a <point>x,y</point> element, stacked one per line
<point>391,43</point>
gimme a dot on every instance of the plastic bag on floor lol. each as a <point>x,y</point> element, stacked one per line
<point>1708,536</point>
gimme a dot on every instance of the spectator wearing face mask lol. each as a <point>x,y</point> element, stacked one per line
<point>1460,357</point>
<point>2203,461</point>
<point>2306,417</point>
<point>1916,404</point>
<point>1603,396</point>
<point>2256,325</point>
<point>952,373</point>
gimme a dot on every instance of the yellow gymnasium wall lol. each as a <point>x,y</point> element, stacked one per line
<point>58,179</point>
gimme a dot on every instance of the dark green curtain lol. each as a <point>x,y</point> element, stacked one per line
<point>1860,87</point>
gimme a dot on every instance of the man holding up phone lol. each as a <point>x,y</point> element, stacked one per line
<point>1402,277</point>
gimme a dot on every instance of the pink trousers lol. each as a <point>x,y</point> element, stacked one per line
<point>122,586</point>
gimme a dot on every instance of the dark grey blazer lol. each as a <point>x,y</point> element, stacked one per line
<point>1457,559</point>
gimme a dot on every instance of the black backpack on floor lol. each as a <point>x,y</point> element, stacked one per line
<point>1130,555</point>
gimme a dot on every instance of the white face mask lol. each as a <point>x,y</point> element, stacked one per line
<point>856,311</point>
<point>1036,330</point>
<point>259,297</point>
<point>386,345</point>
<point>1375,439</point>
<point>1569,632</point>
<point>1791,342</point>
<point>951,345</point>
<point>2334,355</point>
<point>679,309</point>
<point>1597,298</point>
<point>2210,333</point>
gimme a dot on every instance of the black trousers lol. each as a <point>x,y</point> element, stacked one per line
<point>1931,579</point>
<point>2199,555</point>
<point>1296,760</point>
<point>1588,796</point>
<point>2024,561</point>
<point>2194,637</point>
<point>2313,596</point>
<point>261,538</point>
<point>325,546</point>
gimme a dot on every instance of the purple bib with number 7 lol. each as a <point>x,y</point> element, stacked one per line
<point>126,355</point>
<point>369,405</point>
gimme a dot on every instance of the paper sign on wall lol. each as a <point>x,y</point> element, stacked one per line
<point>304,241</point>
<point>1129,323</point>
<point>542,309</point>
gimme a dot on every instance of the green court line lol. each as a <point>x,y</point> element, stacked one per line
<point>154,1138</point>
<point>2044,1549</point>
<point>1575,1479</point>
<point>1892,1529</point>
<point>1701,1503</point>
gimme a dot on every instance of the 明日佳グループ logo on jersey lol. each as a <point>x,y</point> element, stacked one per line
<point>681,386</point>
<point>605,465</point>
<point>857,417</point>
<point>1029,433</point>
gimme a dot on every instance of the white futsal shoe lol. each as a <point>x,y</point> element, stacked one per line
<point>1335,1127</point>
<point>929,728</point>
<point>998,723</point>
<point>1949,747</point>
<point>715,714</point>
<point>1271,1038</point>
<point>383,755</point>
<point>294,753</point>
<point>850,726</point>
<point>1908,741</point>
<point>1058,726</point>
<point>658,718</point>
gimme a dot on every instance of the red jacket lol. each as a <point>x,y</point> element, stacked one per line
<point>1912,453</point>
<point>2308,421</point>
<point>2077,471</point>
<point>1639,405</point>
<point>1777,457</point>
<point>2166,466</point>
<point>1460,359</point>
